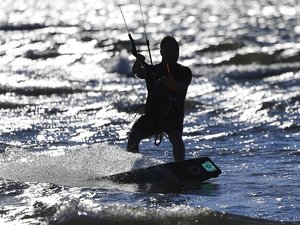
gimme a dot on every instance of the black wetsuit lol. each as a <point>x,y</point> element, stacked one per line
<point>164,108</point>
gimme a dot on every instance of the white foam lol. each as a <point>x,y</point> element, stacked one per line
<point>71,166</point>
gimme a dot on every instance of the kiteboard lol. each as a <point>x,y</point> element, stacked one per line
<point>192,170</point>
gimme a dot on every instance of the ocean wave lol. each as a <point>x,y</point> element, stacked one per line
<point>295,100</point>
<point>118,64</point>
<point>240,53</point>
<point>230,46</point>
<point>261,58</point>
<point>118,45</point>
<point>37,91</point>
<point>12,188</point>
<point>45,54</point>
<point>294,127</point>
<point>11,105</point>
<point>75,213</point>
<point>21,27</point>
<point>255,71</point>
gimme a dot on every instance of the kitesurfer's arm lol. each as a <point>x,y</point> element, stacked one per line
<point>137,68</point>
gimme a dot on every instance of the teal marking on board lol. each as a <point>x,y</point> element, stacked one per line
<point>208,166</point>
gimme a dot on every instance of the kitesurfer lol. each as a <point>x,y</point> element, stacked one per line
<point>167,84</point>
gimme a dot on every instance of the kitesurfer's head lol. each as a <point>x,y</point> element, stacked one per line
<point>169,50</point>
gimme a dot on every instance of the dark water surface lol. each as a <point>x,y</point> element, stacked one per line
<point>67,102</point>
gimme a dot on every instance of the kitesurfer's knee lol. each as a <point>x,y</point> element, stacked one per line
<point>134,139</point>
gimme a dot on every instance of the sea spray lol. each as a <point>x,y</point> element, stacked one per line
<point>70,166</point>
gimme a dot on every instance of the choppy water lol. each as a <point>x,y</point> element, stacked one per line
<point>67,102</point>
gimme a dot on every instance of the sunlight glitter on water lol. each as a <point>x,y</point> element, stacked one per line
<point>66,84</point>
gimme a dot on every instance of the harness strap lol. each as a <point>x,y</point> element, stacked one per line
<point>158,136</point>
<point>158,139</point>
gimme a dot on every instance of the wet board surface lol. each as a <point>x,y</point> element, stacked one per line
<point>192,170</point>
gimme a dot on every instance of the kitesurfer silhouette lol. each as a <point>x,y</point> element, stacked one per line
<point>167,84</point>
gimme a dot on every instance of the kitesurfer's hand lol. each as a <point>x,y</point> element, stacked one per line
<point>137,66</point>
<point>140,58</point>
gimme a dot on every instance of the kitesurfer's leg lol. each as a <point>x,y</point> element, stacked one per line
<point>175,138</point>
<point>142,128</point>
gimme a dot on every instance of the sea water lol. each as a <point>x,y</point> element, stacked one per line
<point>68,100</point>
